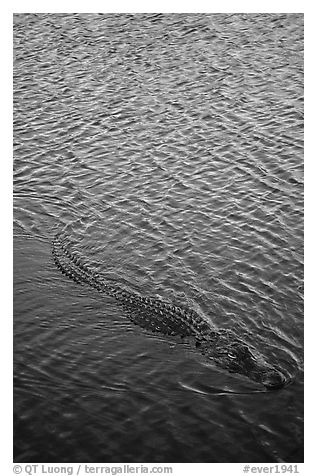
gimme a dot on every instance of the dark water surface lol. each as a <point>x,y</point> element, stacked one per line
<point>170,149</point>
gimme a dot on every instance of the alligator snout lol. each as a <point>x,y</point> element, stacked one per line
<point>274,380</point>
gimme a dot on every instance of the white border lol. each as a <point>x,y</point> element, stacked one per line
<point>161,6</point>
<point>71,6</point>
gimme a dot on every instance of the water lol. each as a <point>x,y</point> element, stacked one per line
<point>170,149</point>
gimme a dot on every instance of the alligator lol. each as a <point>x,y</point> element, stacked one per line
<point>222,346</point>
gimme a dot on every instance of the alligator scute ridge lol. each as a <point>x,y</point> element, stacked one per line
<point>220,345</point>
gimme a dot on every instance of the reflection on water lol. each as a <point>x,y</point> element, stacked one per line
<point>169,147</point>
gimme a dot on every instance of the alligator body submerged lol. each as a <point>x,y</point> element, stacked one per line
<point>220,345</point>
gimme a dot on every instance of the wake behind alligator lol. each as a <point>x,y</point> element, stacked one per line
<point>220,345</point>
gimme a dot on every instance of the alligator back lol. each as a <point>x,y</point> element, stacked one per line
<point>148,312</point>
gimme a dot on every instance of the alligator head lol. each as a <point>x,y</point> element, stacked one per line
<point>235,356</point>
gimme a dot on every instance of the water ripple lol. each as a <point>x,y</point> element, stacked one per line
<point>169,147</point>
